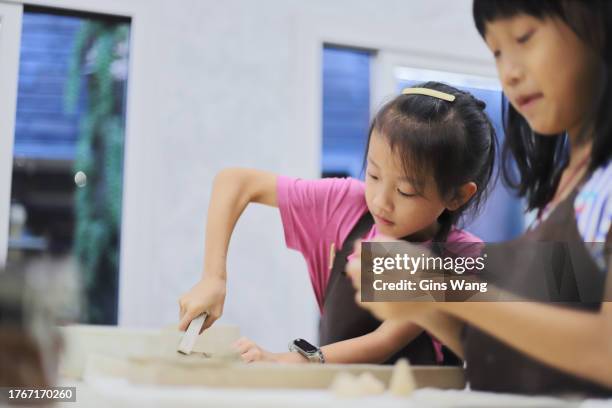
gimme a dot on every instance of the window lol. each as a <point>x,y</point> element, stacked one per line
<point>346,110</point>
<point>68,150</point>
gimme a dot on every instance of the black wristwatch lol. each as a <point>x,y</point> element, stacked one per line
<point>312,353</point>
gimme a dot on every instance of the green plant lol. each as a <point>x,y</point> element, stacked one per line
<point>99,154</point>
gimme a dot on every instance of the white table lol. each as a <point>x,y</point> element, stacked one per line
<point>106,392</point>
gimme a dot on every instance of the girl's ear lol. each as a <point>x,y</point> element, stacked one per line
<point>465,192</point>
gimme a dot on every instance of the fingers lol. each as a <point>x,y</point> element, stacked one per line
<point>189,314</point>
<point>210,319</point>
<point>185,314</point>
<point>208,296</point>
<point>353,267</point>
<point>209,322</point>
<point>241,345</point>
<point>251,355</point>
<point>248,350</point>
<point>185,320</point>
<point>353,270</point>
<point>181,309</point>
<point>357,248</point>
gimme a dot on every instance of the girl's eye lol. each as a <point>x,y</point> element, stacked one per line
<point>405,194</point>
<point>496,54</point>
<point>525,37</point>
<point>373,177</point>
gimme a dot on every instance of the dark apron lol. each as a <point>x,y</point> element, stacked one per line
<point>343,319</point>
<point>494,366</point>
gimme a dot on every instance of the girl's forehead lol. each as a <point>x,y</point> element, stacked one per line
<point>382,156</point>
<point>506,25</point>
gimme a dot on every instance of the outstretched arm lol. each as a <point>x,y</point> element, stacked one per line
<point>576,342</point>
<point>372,348</point>
<point>573,341</point>
<point>375,347</point>
<point>233,189</point>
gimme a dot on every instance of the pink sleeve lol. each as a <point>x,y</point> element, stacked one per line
<point>462,243</point>
<point>316,210</point>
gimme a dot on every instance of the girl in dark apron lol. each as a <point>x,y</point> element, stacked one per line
<point>404,181</point>
<point>553,59</point>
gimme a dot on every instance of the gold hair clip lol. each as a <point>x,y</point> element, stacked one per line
<point>428,92</point>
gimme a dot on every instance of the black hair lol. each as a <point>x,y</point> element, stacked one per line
<point>452,143</point>
<point>541,160</point>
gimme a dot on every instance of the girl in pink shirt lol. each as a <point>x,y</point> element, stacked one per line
<point>429,161</point>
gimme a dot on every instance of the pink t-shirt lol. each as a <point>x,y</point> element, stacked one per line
<point>317,213</point>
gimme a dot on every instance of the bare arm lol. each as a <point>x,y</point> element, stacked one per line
<point>233,189</point>
<point>444,327</point>
<point>375,347</point>
<point>573,341</point>
<point>576,342</point>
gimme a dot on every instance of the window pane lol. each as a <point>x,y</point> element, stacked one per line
<point>68,152</point>
<point>346,110</point>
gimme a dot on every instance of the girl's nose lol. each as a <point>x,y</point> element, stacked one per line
<point>383,203</point>
<point>510,73</point>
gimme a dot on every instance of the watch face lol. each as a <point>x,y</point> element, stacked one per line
<point>304,345</point>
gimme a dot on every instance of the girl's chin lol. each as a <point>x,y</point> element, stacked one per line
<point>389,231</point>
<point>384,227</point>
<point>544,129</point>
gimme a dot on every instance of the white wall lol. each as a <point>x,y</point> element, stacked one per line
<point>237,83</point>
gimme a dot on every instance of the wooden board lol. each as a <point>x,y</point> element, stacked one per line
<point>81,341</point>
<point>227,374</point>
<point>150,357</point>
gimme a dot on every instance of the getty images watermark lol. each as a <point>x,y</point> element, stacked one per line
<point>540,271</point>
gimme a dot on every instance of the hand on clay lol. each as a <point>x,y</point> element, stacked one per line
<point>251,352</point>
<point>208,295</point>
<point>353,268</point>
